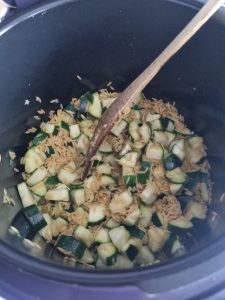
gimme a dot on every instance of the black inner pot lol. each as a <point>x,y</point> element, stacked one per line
<point>104,41</point>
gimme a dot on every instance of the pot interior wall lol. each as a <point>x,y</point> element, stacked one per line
<point>114,41</point>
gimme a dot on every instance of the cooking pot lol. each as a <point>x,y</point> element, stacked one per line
<point>43,49</point>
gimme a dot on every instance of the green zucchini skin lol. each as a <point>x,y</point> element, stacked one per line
<point>69,243</point>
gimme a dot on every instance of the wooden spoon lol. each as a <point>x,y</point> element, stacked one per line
<point>122,104</point>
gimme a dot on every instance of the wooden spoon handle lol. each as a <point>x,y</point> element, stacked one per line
<point>123,102</point>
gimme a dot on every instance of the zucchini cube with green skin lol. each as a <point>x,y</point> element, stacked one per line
<point>119,236</point>
<point>25,194</point>
<point>107,180</point>
<point>176,176</point>
<point>105,148</point>
<point>74,131</point>
<point>37,176</point>
<point>67,177</point>
<point>95,107</point>
<point>60,193</point>
<point>39,189</point>
<point>102,236</point>
<point>180,225</point>
<point>135,231</point>
<point>145,256</point>
<point>154,152</point>
<point>77,196</point>
<point>144,173</point>
<point>119,128</point>
<point>51,181</point>
<point>112,224</point>
<point>41,136</point>
<point>157,238</point>
<point>34,217</point>
<point>32,160</point>
<point>84,235</point>
<point>70,245</point>
<point>146,215</point>
<point>148,195</point>
<point>121,201</point>
<point>171,162</point>
<point>96,215</point>
<point>195,178</point>
<point>65,125</point>
<point>107,253</point>
<point>177,148</point>
<point>131,248</point>
<point>132,217</point>
<point>21,223</point>
<point>129,159</point>
<point>195,210</point>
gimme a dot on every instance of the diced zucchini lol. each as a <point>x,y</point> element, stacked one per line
<point>54,228</point>
<point>107,102</point>
<point>130,180</point>
<point>77,196</point>
<point>41,136</point>
<point>32,160</point>
<point>37,176</point>
<point>105,148</point>
<point>60,193</point>
<point>184,200</point>
<point>74,131</point>
<point>48,128</point>
<point>118,128</point>
<point>132,218</point>
<point>84,235</point>
<point>157,219</point>
<point>134,131</point>
<point>95,108</point>
<point>102,236</point>
<point>87,127</point>
<point>170,127</point>
<point>52,181</point>
<point>152,117</point>
<point>135,231</point>
<point>160,137</point>
<point>195,178</point>
<point>107,253</point>
<point>176,176</point>
<point>104,168</point>
<point>70,108</point>
<point>96,215</point>
<point>138,145</point>
<point>131,248</point>
<point>69,245</point>
<point>156,124</point>
<point>34,217</point>
<point>107,180</point>
<point>88,257</point>
<point>83,143</point>
<point>157,237</point>
<point>175,188</point>
<point>145,132</point>
<point>146,215</point>
<point>112,224</point>
<point>144,173</point>
<point>171,162</point>
<point>39,189</point>
<point>179,225</point>
<point>129,159</point>
<point>177,148</point>
<point>48,220</point>
<point>119,236</point>
<point>195,149</point>
<point>154,151</point>
<point>84,101</point>
<point>145,256</point>
<point>64,125</point>
<point>111,159</point>
<point>119,202</point>
<point>148,195</point>
<point>126,148</point>
<point>135,114</point>
<point>49,152</point>
<point>25,194</point>
<point>67,177</point>
<point>195,210</point>
<point>24,227</point>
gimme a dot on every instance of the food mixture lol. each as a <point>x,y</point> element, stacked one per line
<point>148,184</point>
